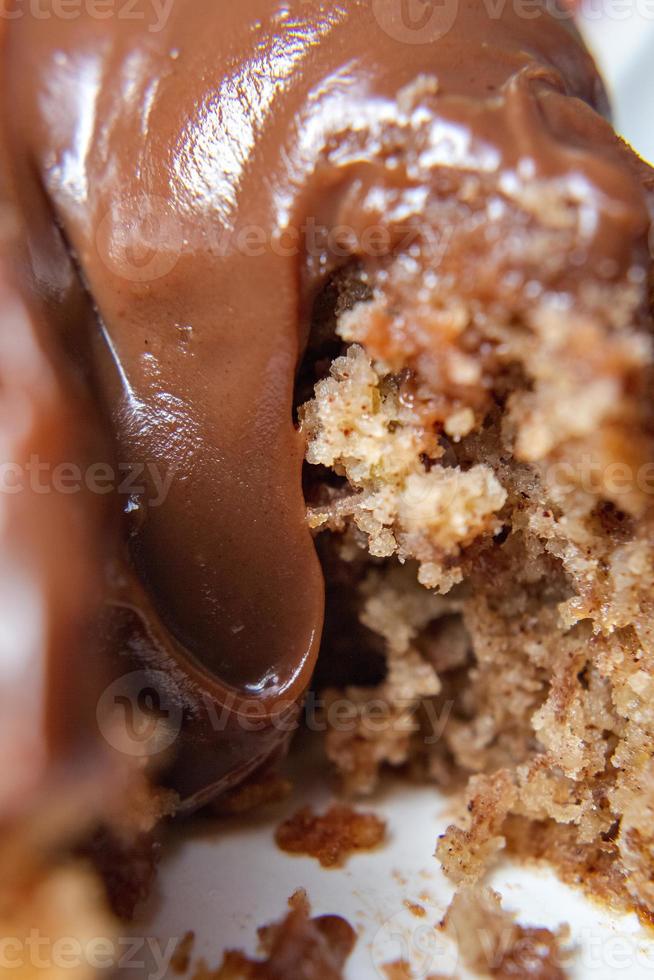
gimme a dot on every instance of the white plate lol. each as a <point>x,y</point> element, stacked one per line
<point>620,34</point>
<point>228,878</point>
<point>224,881</point>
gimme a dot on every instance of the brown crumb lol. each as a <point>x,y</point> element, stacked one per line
<point>181,958</point>
<point>297,948</point>
<point>415,909</point>
<point>330,838</point>
<point>127,866</point>
<point>299,901</point>
<point>534,953</point>
<point>492,943</point>
<point>401,970</point>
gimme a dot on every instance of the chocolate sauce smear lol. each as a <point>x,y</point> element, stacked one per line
<point>174,173</point>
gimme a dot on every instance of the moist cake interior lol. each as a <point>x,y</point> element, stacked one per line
<point>479,485</point>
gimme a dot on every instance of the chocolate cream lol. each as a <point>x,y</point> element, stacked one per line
<point>171,179</point>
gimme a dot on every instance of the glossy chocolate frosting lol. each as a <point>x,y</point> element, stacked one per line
<point>186,155</point>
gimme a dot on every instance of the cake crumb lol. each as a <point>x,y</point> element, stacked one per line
<point>296,948</point>
<point>401,970</point>
<point>493,944</point>
<point>415,909</point>
<point>398,970</point>
<point>332,837</point>
<point>299,901</point>
<point>181,958</point>
<point>359,425</point>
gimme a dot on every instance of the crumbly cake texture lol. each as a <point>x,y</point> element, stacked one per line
<point>493,944</point>
<point>330,837</point>
<point>480,458</point>
<point>73,866</point>
<point>64,905</point>
<point>298,947</point>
